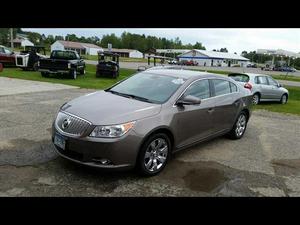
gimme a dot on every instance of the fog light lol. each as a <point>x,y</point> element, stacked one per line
<point>102,161</point>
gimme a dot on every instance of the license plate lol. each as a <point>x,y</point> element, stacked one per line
<point>60,141</point>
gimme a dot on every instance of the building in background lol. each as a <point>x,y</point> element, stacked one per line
<point>128,53</point>
<point>21,41</point>
<point>212,58</point>
<point>81,48</point>
<point>279,53</point>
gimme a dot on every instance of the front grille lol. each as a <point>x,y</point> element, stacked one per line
<point>70,124</point>
<point>19,60</point>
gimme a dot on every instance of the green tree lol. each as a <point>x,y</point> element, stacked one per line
<point>199,45</point>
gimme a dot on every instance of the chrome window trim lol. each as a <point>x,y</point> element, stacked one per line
<point>174,104</point>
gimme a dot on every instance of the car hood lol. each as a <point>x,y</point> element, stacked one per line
<point>105,108</point>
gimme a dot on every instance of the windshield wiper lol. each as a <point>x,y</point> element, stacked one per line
<point>131,96</point>
<point>139,98</point>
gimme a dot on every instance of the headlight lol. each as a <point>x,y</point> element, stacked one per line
<point>69,65</point>
<point>111,131</point>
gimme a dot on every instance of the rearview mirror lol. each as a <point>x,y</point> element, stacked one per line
<point>188,100</point>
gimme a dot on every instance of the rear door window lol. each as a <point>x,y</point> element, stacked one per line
<point>1,50</point>
<point>233,87</point>
<point>222,87</point>
<point>262,80</point>
<point>199,89</point>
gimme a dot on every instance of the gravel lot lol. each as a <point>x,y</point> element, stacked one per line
<point>266,162</point>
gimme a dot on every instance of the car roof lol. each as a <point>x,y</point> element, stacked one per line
<point>181,73</point>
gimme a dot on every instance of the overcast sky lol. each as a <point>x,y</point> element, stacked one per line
<point>235,40</point>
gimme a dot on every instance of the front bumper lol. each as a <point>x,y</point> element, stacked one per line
<point>121,152</point>
<point>55,71</point>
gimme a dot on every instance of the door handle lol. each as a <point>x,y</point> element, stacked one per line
<point>210,110</point>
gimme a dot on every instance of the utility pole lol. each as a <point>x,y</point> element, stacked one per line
<point>11,38</point>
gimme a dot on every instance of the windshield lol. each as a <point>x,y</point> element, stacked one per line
<point>148,87</point>
<point>240,77</point>
<point>64,55</point>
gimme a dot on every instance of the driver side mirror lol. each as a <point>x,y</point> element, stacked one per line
<point>12,53</point>
<point>279,85</point>
<point>188,100</point>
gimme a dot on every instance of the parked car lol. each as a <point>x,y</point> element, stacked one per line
<point>262,87</point>
<point>173,62</point>
<point>1,67</point>
<point>7,57</point>
<point>62,62</point>
<point>285,69</point>
<point>267,67</point>
<point>140,121</point>
<point>252,65</point>
<point>191,63</point>
<point>28,59</point>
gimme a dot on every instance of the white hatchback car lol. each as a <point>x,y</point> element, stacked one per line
<point>263,87</point>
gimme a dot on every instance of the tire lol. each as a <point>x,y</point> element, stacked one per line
<point>45,74</point>
<point>255,99</point>
<point>82,72</point>
<point>74,74</point>
<point>239,127</point>
<point>284,99</point>
<point>35,67</point>
<point>150,152</point>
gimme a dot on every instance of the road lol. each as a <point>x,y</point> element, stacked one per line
<point>135,65</point>
<point>265,162</point>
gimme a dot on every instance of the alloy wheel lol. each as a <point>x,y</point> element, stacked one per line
<point>283,99</point>
<point>156,155</point>
<point>255,99</point>
<point>240,125</point>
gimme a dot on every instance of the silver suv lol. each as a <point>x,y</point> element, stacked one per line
<point>263,87</point>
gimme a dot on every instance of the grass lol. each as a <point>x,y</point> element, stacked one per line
<point>89,80</point>
<point>292,106</point>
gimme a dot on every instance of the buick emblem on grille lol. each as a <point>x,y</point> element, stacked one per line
<point>66,122</point>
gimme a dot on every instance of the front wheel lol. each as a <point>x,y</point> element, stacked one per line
<point>239,127</point>
<point>283,99</point>
<point>154,154</point>
<point>74,74</point>
<point>82,72</point>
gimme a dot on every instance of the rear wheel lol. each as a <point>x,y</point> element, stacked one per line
<point>154,154</point>
<point>239,127</point>
<point>255,99</point>
<point>45,74</point>
<point>35,67</point>
<point>283,99</point>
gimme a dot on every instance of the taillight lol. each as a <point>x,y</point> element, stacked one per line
<point>248,86</point>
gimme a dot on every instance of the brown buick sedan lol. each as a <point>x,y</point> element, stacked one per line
<point>140,121</point>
